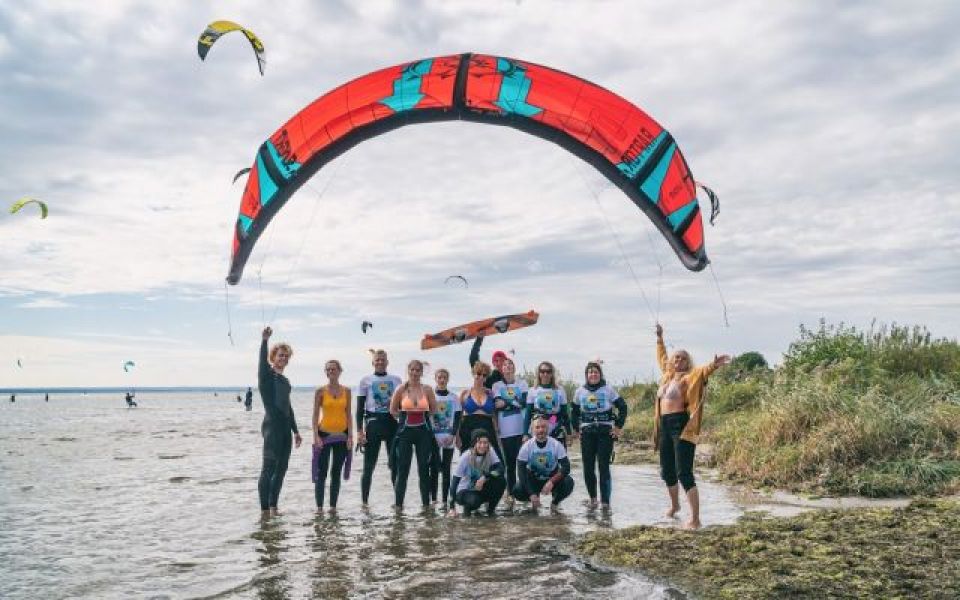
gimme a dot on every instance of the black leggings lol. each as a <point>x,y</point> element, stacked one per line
<point>418,438</point>
<point>676,455</point>
<point>440,466</point>
<point>276,456</point>
<point>490,495</point>
<point>534,485</point>
<point>339,451</point>
<point>381,428</point>
<point>596,445</point>
<point>511,448</point>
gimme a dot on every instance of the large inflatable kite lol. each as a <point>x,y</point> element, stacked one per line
<point>617,138</point>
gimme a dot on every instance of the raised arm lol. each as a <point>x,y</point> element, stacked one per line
<point>661,350</point>
<point>475,350</point>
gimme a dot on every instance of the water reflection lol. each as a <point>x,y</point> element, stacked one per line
<point>271,583</point>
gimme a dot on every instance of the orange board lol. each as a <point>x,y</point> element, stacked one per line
<point>482,328</point>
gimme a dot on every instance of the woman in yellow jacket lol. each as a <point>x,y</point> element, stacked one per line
<point>678,411</point>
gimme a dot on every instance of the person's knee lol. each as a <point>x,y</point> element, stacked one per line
<point>687,481</point>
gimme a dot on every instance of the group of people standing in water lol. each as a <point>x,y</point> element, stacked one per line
<point>512,437</point>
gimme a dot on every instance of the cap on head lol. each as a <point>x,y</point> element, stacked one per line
<point>499,355</point>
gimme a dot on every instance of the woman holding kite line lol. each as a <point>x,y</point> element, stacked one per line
<point>677,413</point>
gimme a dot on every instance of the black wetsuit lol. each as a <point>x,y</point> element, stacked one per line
<point>595,423</point>
<point>494,375</point>
<point>248,401</point>
<point>379,427</point>
<point>278,423</point>
<point>412,439</point>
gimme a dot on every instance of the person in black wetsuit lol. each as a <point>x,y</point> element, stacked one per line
<point>498,357</point>
<point>248,401</point>
<point>375,424</point>
<point>130,401</point>
<point>598,415</point>
<point>278,421</point>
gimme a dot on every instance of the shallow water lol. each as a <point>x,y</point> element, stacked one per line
<point>101,501</point>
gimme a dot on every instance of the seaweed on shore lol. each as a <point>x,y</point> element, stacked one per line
<point>910,552</point>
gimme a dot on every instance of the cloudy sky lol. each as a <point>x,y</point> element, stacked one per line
<point>830,130</point>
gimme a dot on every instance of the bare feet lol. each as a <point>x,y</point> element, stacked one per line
<point>592,504</point>
<point>692,524</point>
<point>672,512</point>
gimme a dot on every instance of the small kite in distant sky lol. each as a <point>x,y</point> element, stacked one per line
<point>16,206</point>
<point>365,326</point>
<point>129,365</point>
<point>218,28</point>
<point>455,278</point>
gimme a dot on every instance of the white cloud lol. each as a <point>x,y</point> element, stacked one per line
<point>829,132</point>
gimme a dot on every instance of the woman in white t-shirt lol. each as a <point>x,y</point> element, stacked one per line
<point>511,398</point>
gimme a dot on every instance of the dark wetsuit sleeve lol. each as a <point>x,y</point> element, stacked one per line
<point>564,418</point>
<point>621,407</point>
<point>527,418</point>
<point>575,416</point>
<point>293,420</point>
<point>265,381</point>
<point>456,420</point>
<point>475,351</point>
<point>492,378</point>
<point>496,470</point>
<point>361,410</point>
<point>565,465</point>
<point>522,474</point>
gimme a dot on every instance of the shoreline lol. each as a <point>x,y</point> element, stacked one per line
<point>906,551</point>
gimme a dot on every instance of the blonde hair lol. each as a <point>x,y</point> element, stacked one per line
<point>280,346</point>
<point>441,370</point>
<point>685,355</point>
<point>334,361</point>
<point>481,368</point>
<point>377,352</point>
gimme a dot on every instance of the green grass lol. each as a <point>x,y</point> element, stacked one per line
<point>873,413</point>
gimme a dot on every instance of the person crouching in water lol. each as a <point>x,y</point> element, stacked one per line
<point>598,415</point>
<point>543,468</point>
<point>511,399</point>
<point>445,422</point>
<point>374,421</point>
<point>332,433</point>
<point>678,411</point>
<point>278,421</point>
<point>412,405</point>
<point>478,479</point>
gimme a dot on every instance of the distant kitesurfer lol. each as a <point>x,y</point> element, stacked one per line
<point>130,401</point>
<point>248,402</point>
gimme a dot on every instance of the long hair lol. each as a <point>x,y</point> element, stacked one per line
<point>553,373</point>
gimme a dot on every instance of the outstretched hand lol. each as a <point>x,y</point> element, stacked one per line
<point>721,360</point>
<point>659,330</point>
<point>267,332</point>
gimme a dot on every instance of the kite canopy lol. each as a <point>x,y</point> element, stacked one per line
<point>129,365</point>
<point>16,206</point>
<point>365,326</point>
<point>240,174</point>
<point>455,278</point>
<point>617,138</point>
<point>216,29</point>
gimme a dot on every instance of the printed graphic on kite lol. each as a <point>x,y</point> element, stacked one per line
<point>614,136</point>
<point>218,28</point>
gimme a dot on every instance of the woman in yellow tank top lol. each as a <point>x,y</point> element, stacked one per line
<point>332,433</point>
